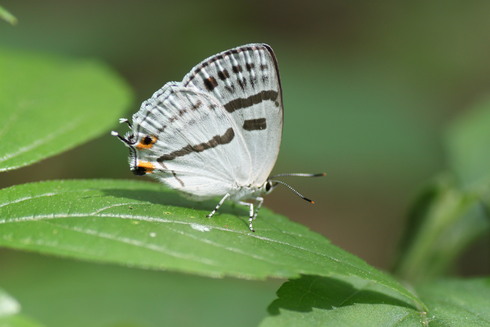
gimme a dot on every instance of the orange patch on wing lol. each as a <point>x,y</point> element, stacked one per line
<point>146,142</point>
<point>147,166</point>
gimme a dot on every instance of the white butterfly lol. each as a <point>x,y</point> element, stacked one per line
<point>216,133</point>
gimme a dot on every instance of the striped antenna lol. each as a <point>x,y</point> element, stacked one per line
<point>299,175</point>
<point>290,187</point>
<point>124,140</point>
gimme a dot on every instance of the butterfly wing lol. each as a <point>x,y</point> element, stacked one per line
<point>245,80</point>
<point>187,140</point>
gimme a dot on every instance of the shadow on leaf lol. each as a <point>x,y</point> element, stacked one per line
<point>171,198</point>
<point>308,292</point>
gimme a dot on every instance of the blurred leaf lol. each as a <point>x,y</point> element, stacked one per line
<point>458,302</point>
<point>467,144</point>
<point>320,301</point>
<point>53,290</point>
<point>449,214</point>
<point>442,223</point>
<point>8,306</point>
<point>18,321</point>
<point>49,104</point>
<point>142,224</point>
<point>7,16</point>
<point>10,313</point>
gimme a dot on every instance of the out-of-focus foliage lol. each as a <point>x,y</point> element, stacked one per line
<point>453,211</point>
<point>7,16</point>
<point>369,88</point>
<point>50,104</point>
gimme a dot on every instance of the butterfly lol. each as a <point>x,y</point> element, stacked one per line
<point>216,133</point>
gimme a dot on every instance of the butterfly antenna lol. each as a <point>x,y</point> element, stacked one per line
<point>299,175</point>
<point>292,189</point>
<point>124,140</point>
<point>125,121</point>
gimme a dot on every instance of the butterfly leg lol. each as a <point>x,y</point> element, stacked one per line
<point>220,203</point>
<point>251,216</point>
<point>258,205</point>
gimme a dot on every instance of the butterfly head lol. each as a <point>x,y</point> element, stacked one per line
<point>267,187</point>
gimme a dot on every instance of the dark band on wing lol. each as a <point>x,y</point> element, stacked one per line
<point>242,103</point>
<point>254,124</point>
<point>226,138</point>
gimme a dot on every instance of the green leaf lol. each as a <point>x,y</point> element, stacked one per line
<point>49,104</point>
<point>442,223</point>
<point>7,16</point>
<point>10,313</point>
<point>467,144</point>
<point>142,224</point>
<point>456,302</point>
<point>320,301</point>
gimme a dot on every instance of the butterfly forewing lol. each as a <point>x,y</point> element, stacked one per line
<point>245,80</point>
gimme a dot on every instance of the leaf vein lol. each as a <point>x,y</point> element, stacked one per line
<point>37,143</point>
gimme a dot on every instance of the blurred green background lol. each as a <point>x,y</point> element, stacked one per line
<point>369,87</point>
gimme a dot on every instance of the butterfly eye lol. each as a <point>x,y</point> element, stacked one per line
<point>268,186</point>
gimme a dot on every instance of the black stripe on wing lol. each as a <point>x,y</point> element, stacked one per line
<point>243,103</point>
<point>215,141</point>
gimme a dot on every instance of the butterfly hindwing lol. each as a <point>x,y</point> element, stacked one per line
<point>196,147</point>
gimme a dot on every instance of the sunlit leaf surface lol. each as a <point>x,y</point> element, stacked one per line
<point>142,224</point>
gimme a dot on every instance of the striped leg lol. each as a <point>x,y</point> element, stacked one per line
<point>227,195</point>
<point>251,216</point>
<point>258,205</point>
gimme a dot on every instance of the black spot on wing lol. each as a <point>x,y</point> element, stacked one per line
<point>250,66</point>
<point>139,171</point>
<point>226,55</point>
<point>242,83</point>
<point>255,124</point>
<point>223,74</point>
<point>210,83</point>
